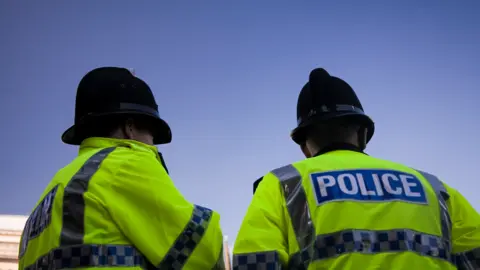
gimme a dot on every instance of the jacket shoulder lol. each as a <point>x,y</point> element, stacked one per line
<point>124,159</point>
<point>256,183</point>
<point>284,173</point>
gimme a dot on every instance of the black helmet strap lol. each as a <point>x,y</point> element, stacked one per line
<point>325,110</point>
<point>121,107</point>
<point>130,107</point>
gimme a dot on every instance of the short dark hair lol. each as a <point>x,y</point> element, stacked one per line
<point>335,130</point>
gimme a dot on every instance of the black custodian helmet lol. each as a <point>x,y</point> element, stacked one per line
<point>108,91</point>
<point>324,98</point>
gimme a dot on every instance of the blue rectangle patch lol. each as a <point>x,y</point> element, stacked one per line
<point>367,185</point>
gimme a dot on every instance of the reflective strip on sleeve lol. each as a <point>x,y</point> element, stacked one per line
<point>74,203</point>
<point>442,197</point>
<point>259,261</point>
<point>297,205</point>
<point>469,260</point>
<point>80,256</point>
<point>186,242</point>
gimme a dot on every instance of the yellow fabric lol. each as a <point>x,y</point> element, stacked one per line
<point>130,200</point>
<point>264,226</point>
<point>267,225</point>
<point>465,222</point>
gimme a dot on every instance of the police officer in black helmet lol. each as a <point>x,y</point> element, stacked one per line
<point>343,209</point>
<point>115,204</point>
<point>111,102</point>
<point>330,116</point>
<point>109,96</point>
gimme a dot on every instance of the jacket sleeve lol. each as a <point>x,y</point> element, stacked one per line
<point>167,229</point>
<point>262,239</point>
<point>465,231</point>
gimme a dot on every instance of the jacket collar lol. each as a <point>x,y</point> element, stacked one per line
<point>339,146</point>
<point>102,142</point>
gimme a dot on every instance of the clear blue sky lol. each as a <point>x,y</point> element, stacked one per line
<point>227,76</point>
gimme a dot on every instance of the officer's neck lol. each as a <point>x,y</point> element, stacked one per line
<point>335,146</point>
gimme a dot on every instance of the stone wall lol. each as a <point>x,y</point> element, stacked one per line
<point>10,232</point>
<point>9,244</point>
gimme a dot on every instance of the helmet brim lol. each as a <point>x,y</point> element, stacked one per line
<point>162,133</point>
<point>299,135</point>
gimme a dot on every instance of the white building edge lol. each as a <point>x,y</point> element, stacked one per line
<point>10,232</point>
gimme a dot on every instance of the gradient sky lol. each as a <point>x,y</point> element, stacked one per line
<point>226,77</point>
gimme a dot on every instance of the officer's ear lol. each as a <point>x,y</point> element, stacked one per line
<point>305,150</point>
<point>127,128</point>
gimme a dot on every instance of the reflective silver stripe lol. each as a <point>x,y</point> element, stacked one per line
<point>80,256</point>
<point>442,197</point>
<point>188,240</point>
<point>259,261</point>
<point>469,260</point>
<point>297,205</point>
<point>73,202</point>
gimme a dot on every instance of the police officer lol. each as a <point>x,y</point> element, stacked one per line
<point>115,206</point>
<point>343,209</point>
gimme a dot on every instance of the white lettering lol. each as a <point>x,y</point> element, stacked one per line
<point>375,185</point>
<point>324,182</point>
<point>363,188</point>
<point>378,185</point>
<point>407,185</point>
<point>343,186</point>
<point>386,182</point>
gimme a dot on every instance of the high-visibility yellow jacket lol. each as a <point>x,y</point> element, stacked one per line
<point>115,207</point>
<point>347,210</point>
